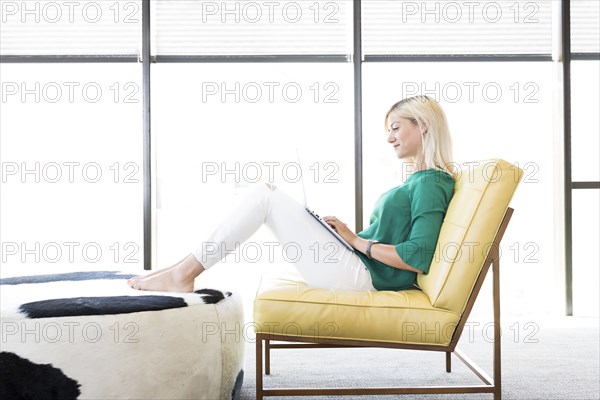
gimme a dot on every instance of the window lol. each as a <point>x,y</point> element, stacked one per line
<point>71,166</point>
<point>450,27</point>
<point>585,164</point>
<point>46,27</point>
<point>220,128</point>
<point>585,136</point>
<point>586,237</point>
<point>252,28</point>
<point>585,26</point>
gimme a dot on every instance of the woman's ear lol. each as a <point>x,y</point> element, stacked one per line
<point>424,127</point>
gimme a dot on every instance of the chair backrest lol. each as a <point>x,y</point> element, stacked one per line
<point>482,194</point>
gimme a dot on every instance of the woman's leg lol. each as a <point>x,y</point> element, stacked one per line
<point>321,260</point>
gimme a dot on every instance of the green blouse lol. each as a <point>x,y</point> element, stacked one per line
<point>408,216</point>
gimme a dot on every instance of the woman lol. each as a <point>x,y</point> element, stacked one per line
<point>398,244</point>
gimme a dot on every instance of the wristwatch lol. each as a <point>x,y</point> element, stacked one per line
<point>370,244</point>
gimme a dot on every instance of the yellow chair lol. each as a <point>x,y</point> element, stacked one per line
<point>428,317</point>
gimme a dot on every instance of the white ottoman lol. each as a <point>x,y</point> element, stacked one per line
<point>87,335</point>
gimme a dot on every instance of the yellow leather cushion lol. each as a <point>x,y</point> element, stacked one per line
<point>287,306</point>
<point>482,194</point>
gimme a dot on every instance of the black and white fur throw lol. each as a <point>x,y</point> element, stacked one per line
<point>88,335</point>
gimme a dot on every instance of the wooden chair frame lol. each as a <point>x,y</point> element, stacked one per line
<point>489,385</point>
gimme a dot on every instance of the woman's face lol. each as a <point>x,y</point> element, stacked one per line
<point>404,135</point>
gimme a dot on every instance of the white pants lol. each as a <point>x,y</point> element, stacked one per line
<point>322,261</point>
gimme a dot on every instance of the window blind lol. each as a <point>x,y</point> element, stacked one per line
<point>43,27</point>
<point>245,27</point>
<point>457,27</point>
<point>585,26</point>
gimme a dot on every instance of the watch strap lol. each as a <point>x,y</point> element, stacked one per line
<point>370,244</point>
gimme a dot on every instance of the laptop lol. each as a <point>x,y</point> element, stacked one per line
<point>315,215</point>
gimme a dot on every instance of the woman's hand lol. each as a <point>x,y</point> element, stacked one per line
<point>384,253</point>
<point>341,228</point>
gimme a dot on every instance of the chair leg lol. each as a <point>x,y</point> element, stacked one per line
<point>259,375</point>
<point>497,334</point>
<point>267,357</point>
<point>448,361</point>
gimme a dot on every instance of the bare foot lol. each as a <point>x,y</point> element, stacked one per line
<point>131,281</point>
<point>179,279</point>
<point>165,282</point>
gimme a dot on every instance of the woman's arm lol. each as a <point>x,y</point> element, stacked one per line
<point>385,253</point>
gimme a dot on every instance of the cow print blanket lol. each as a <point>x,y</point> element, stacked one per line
<point>89,335</point>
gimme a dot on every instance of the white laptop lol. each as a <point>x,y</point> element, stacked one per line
<point>315,215</point>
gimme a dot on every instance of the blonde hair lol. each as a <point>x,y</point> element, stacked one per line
<point>429,116</point>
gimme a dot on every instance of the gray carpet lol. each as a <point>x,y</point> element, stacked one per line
<point>554,359</point>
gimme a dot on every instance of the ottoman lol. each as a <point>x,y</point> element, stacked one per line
<point>88,335</point>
